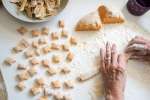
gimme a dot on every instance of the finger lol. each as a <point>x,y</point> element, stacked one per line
<point>108,56</point>
<point>139,53</point>
<point>135,57</point>
<point>141,58</point>
<point>139,37</point>
<point>137,40</point>
<point>121,61</point>
<point>130,49</point>
<point>102,62</point>
<point>136,47</point>
<point>142,38</point>
<point>114,55</point>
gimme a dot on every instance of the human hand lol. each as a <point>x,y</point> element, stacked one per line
<point>139,49</point>
<point>113,72</point>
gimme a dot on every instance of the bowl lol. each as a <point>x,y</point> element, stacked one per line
<point>12,10</point>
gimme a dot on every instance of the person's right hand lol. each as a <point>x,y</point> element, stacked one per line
<point>139,49</point>
<point>113,66</point>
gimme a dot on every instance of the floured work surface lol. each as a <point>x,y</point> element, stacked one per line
<point>85,60</point>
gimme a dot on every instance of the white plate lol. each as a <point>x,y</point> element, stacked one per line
<point>12,9</point>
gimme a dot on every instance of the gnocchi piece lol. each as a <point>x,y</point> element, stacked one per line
<point>70,56</point>
<point>55,46</point>
<point>43,41</point>
<point>73,40</point>
<point>65,70</point>
<point>29,53</point>
<point>56,59</point>
<point>35,90</point>
<point>9,61</point>
<point>35,32</point>
<point>61,24</point>
<point>21,86</point>
<point>21,45</point>
<point>65,47</point>
<point>22,30</point>
<point>45,63</point>
<point>45,31</point>
<point>37,52</point>
<point>33,3</point>
<point>13,1</point>
<point>47,91</point>
<point>43,98</point>
<point>69,84</point>
<point>66,97</point>
<point>58,96</point>
<point>34,61</point>
<point>56,84</point>
<point>18,48</point>
<point>40,81</point>
<point>58,3</point>
<point>35,44</point>
<point>23,76</point>
<point>32,71</point>
<point>54,36</point>
<point>24,43</point>
<point>21,67</point>
<point>51,71</point>
<point>64,33</point>
<point>46,49</point>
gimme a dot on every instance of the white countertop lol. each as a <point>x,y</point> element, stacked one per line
<point>138,81</point>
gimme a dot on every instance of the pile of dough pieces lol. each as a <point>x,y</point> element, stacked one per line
<point>43,44</point>
<point>38,9</point>
<point>95,20</point>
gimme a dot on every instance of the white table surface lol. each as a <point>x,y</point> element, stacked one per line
<point>138,73</point>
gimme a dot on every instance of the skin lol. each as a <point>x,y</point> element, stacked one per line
<point>137,52</point>
<point>113,72</point>
<point>113,65</point>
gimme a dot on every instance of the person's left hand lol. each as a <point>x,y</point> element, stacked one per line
<point>139,49</point>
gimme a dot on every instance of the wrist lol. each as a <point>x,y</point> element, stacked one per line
<point>119,96</point>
